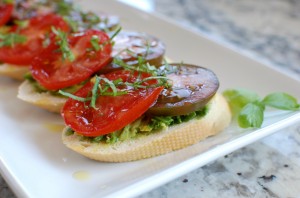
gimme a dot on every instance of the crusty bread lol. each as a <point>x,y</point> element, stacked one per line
<point>174,138</point>
<point>15,72</point>
<point>44,100</point>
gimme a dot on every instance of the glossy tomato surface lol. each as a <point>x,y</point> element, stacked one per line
<point>112,112</point>
<point>54,72</point>
<point>130,46</point>
<point>192,88</point>
<point>35,32</point>
<point>6,10</point>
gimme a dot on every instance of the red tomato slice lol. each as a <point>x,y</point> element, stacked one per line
<point>112,112</point>
<point>5,12</point>
<point>35,33</point>
<point>54,73</point>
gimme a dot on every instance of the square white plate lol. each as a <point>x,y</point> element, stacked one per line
<point>35,163</point>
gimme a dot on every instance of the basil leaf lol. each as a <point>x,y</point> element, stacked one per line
<point>238,98</point>
<point>251,115</point>
<point>282,101</point>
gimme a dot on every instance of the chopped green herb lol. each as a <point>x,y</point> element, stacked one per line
<point>72,23</point>
<point>90,18</point>
<point>22,23</point>
<point>62,42</point>
<point>74,97</point>
<point>64,8</point>
<point>95,43</point>
<point>8,1</point>
<point>94,92</point>
<point>69,132</point>
<point>115,33</point>
<point>11,39</point>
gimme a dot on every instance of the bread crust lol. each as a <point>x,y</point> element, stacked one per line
<point>175,137</point>
<point>13,71</point>
<point>45,100</point>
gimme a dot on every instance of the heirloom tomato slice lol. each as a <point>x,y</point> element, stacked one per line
<point>112,113</point>
<point>6,10</point>
<point>54,71</point>
<point>24,43</point>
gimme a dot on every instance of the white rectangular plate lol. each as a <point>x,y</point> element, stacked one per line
<point>35,163</point>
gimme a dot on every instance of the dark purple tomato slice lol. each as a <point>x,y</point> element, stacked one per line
<point>128,46</point>
<point>192,88</point>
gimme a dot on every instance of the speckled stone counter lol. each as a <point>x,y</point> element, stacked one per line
<point>269,31</point>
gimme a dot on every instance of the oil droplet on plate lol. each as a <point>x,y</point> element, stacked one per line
<point>54,127</point>
<point>81,175</point>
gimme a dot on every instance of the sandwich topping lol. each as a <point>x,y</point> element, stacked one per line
<point>6,10</point>
<point>111,102</point>
<point>71,59</point>
<point>124,109</point>
<point>24,41</point>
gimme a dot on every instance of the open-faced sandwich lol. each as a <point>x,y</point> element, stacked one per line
<point>139,112</point>
<point>119,101</point>
<point>25,27</point>
<point>78,64</point>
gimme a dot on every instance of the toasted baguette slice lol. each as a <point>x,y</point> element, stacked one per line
<point>44,100</point>
<point>13,71</point>
<point>175,137</point>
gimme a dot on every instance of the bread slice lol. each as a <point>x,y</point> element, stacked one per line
<point>13,71</point>
<point>45,100</point>
<point>175,137</point>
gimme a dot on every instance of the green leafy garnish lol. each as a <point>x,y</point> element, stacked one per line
<point>281,101</point>
<point>94,92</point>
<point>8,1</point>
<point>64,8</point>
<point>251,115</point>
<point>73,96</point>
<point>62,42</point>
<point>238,98</point>
<point>248,108</point>
<point>105,87</point>
<point>11,39</point>
<point>95,42</point>
<point>72,23</point>
<point>21,23</point>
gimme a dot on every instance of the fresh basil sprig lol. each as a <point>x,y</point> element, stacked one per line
<point>248,108</point>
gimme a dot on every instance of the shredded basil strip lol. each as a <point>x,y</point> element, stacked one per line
<point>95,42</point>
<point>94,92</point>
<point>74,96</point>
<point>115,33</point>
<point>11,39</point>
<point>62,42</point>
<point>112,86</point>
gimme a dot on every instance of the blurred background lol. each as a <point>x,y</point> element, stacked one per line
<point>267,30</point>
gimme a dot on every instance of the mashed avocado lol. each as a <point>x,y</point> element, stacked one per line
<point>144,126</point>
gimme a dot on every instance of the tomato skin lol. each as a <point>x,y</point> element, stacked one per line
<point>54,73</point>
<point>22,53</point>
<point>6,11</point>
<point>112,112</point>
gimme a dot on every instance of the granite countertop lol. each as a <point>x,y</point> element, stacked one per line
<point>268,31</point>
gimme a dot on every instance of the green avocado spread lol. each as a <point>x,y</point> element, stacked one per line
<point>143,126</point>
